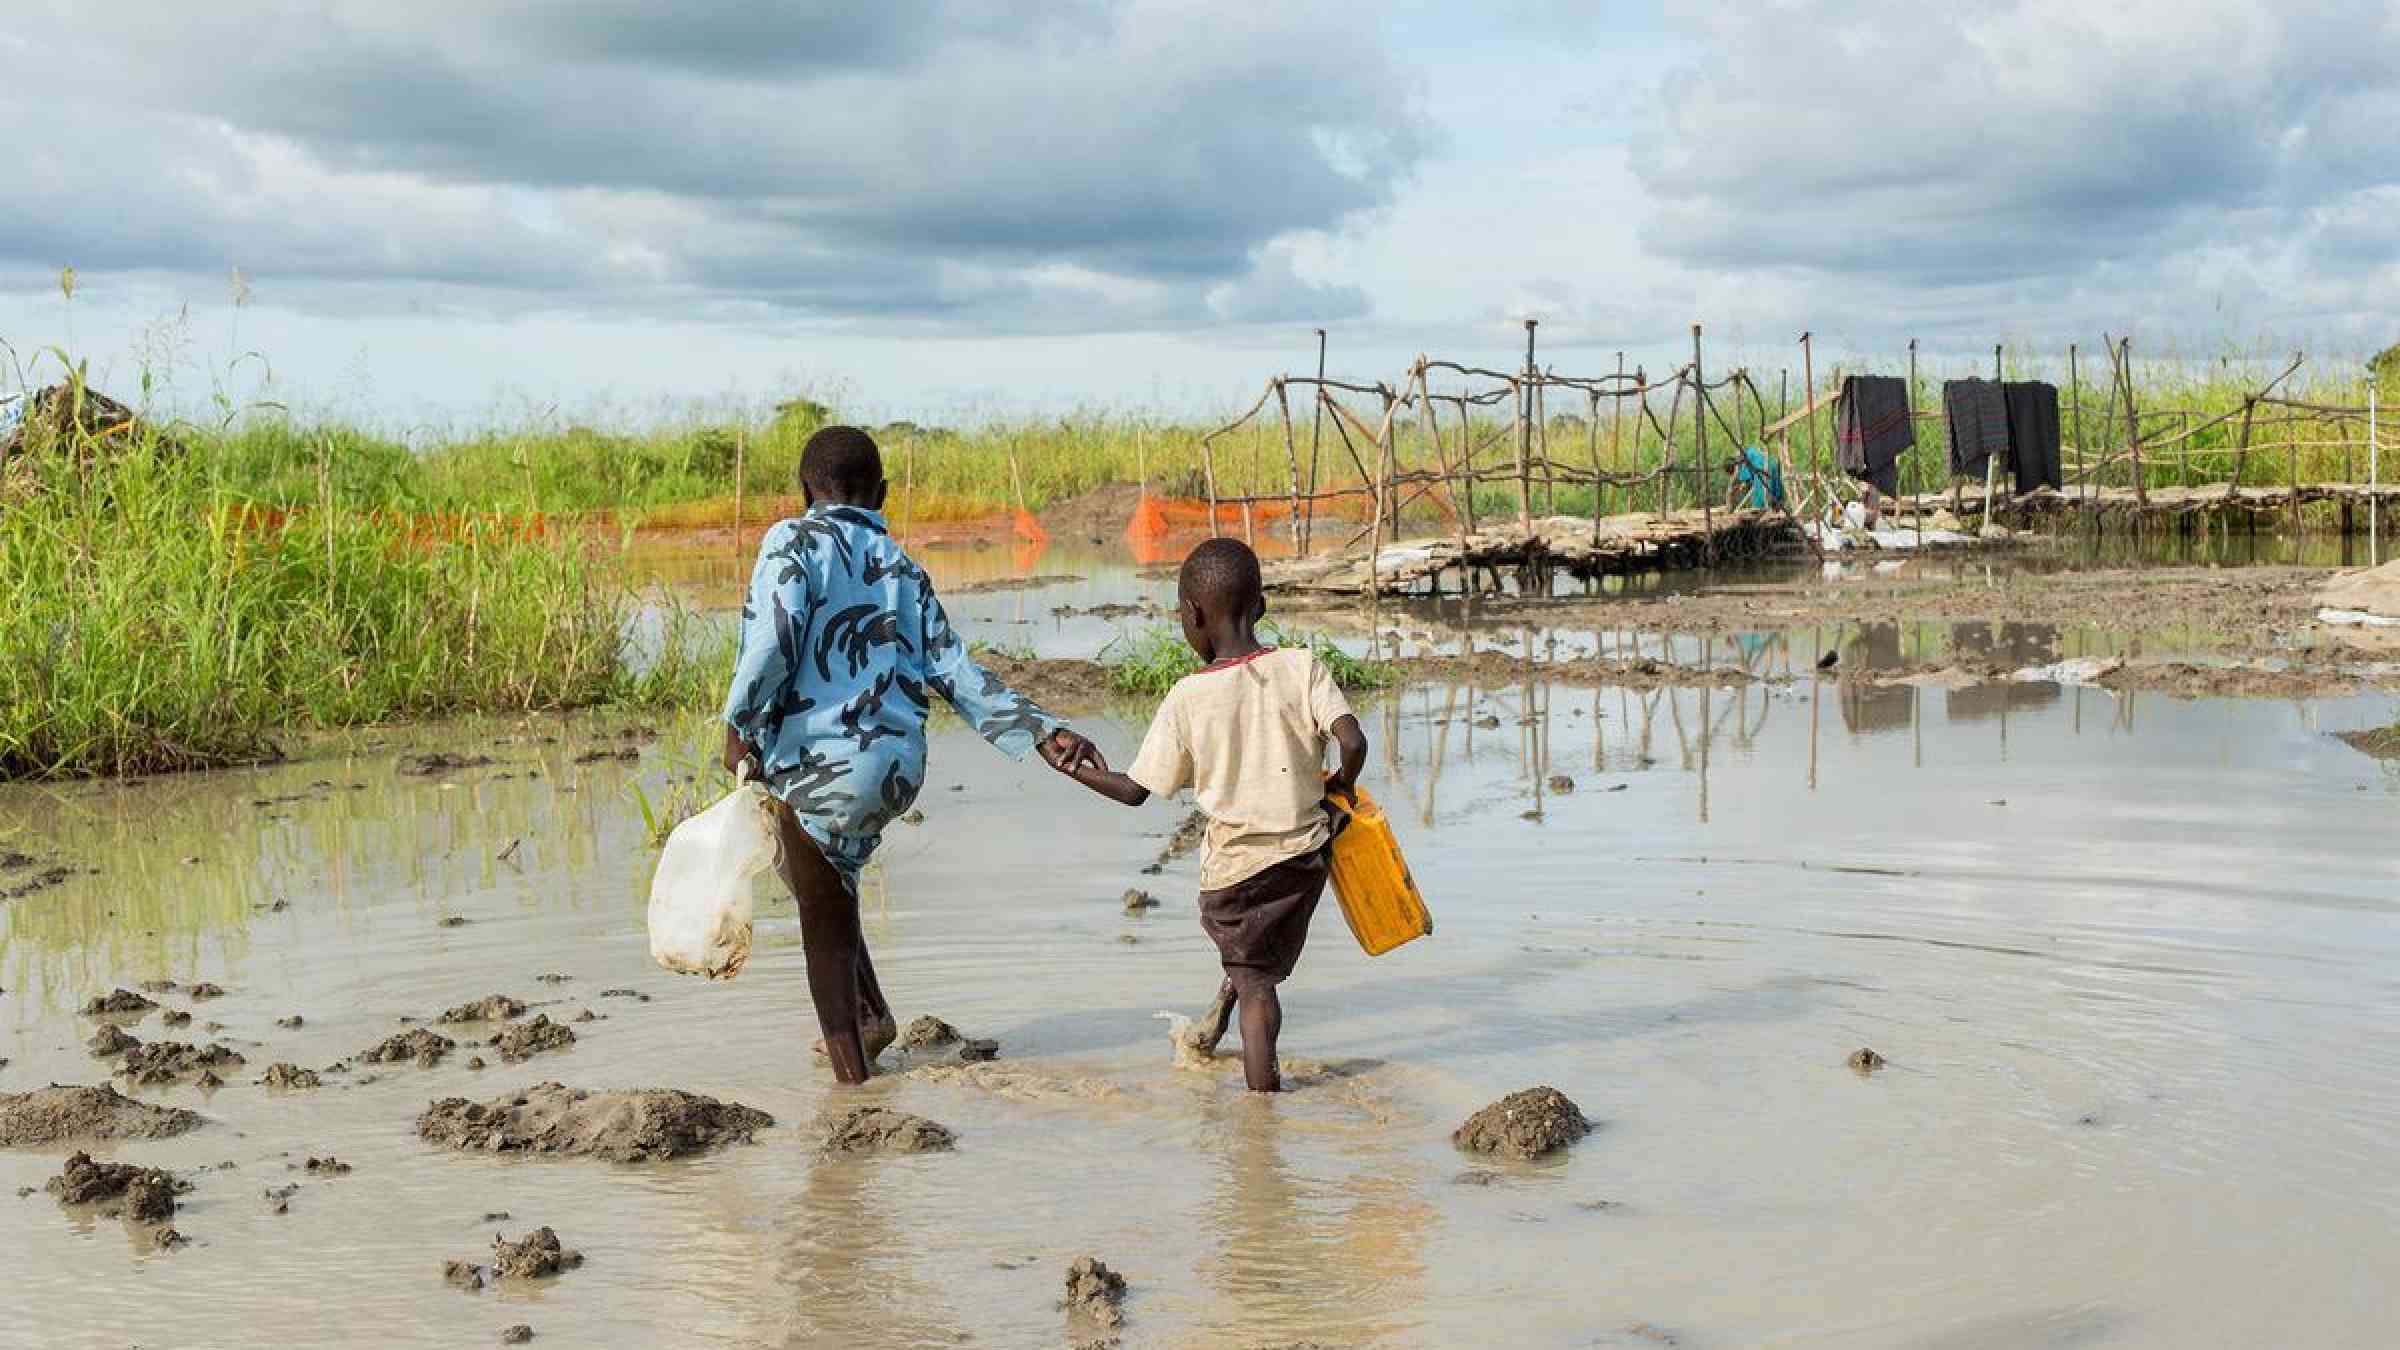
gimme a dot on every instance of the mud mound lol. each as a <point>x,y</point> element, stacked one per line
<point>110,1041</point>
<point>2380,743</point>
<point>1187,836</point>
<point>523,1041</point>
<point>173,1061</point>
<point>1031,583</point>
<point>289,1077</point>
<point>1055,682</point>
<point>1095,1293</point>
<point>1523,1125</point>
<point>489,1008</point>
<point>204,991</point>
<point>78,420</point>
<point>536,1256</point>
<point>142,1194</point>
<point>57,1115</point>
<point>425,1047</point>
<point>439,763</point>
<point>121,1003</point>
<point>2369,590</point>
<point>928,1033</point>
<point>878,1129</point>
<point>642,1125</point>
<point>1864,1060</point>
<point>932,1038</point>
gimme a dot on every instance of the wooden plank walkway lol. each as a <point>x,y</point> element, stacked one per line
<point>1640,542</point>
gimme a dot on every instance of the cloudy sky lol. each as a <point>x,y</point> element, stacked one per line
<point>453,211</point>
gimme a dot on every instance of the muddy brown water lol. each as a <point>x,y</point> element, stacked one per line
<point>2128,958</point>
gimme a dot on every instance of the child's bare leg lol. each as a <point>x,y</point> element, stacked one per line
<point>1262,1022</point>
<point>836,948</point>
<point>878,1028</point>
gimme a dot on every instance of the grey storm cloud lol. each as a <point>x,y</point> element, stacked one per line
<point>1070,164</point>
<point>2147,145</point>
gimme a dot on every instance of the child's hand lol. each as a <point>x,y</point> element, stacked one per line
<point>1070,752</point>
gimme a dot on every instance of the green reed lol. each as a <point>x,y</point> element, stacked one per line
<point>152,618</point>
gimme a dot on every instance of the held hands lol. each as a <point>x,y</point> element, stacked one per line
<point>1071,753</point>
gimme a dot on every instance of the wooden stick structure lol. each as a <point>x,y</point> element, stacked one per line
<point>1673,504</point>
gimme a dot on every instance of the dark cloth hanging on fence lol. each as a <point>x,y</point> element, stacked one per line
<point>2033,434</point>
<point>1978,414</point>
<point>1876,429</point>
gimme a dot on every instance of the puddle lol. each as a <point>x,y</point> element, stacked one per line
<point>2128,958</point>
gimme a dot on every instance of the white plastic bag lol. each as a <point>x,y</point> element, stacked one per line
<point>700,897</point>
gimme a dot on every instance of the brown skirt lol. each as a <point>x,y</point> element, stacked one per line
<point>1260,923</point>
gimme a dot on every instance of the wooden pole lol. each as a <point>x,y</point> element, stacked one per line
<point>1525,437</point>
<point>1249,490</point>
<point>1591,436</point>
<point>1291,460</point>
<point>1808,397</point>
<point>1390,466</point>
<point>1433,437</point>
<point>1991,464</point>
<point>1704,479</point>
<point>2075,402</point>
<point>1208,469</point>
<point>1541,424</point>
<point>1316,429</point>
<point>1016,479</point>
<point>2133,421</point>
<point>1616,420</point>
<point>741,455</point>
<point>1466,461</point>
<point>2374,481</point>
<point>1916,500</point>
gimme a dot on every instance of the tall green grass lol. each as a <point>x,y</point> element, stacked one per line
<point>151,619</point>
<point>1148,663</point>
<point>567,470</point>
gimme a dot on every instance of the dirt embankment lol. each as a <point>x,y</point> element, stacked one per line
<point>644,1125</point>
<point>70,1114</point>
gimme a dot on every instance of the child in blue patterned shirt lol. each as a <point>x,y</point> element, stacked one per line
<point>843,646</point>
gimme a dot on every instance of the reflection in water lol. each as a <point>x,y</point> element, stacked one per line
<point>844,1273</point>
<point>1334,1258</point>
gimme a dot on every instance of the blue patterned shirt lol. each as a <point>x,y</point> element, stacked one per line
<point>843,644</point>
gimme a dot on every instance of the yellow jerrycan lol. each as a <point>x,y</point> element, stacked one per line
<point>1371,880</point>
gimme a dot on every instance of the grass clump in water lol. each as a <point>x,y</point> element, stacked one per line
<point>153,620</point>
<point>1147,664</point>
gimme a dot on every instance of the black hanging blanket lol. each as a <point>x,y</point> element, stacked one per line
<point>1875,429</point>
<point>1978,415</point>
<point>2033,434</point>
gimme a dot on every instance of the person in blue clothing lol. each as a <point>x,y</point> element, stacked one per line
<point>844,646</point>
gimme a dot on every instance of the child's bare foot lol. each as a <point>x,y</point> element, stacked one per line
<point>1210,1027</point>
<point>878,1033</point>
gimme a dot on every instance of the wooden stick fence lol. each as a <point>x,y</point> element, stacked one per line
<point>1663,470</point>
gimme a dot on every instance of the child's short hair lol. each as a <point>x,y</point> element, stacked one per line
<point>841,463</point>
<point>1221,574</point>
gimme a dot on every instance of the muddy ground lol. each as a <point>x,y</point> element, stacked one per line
<point>2254,628</point>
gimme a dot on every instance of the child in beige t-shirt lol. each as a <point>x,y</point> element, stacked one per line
<point>1247,735</point>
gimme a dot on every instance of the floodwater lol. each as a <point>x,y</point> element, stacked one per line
<point>2130,960</point>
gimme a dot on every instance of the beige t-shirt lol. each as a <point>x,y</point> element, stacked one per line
<point>1248,738</point>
